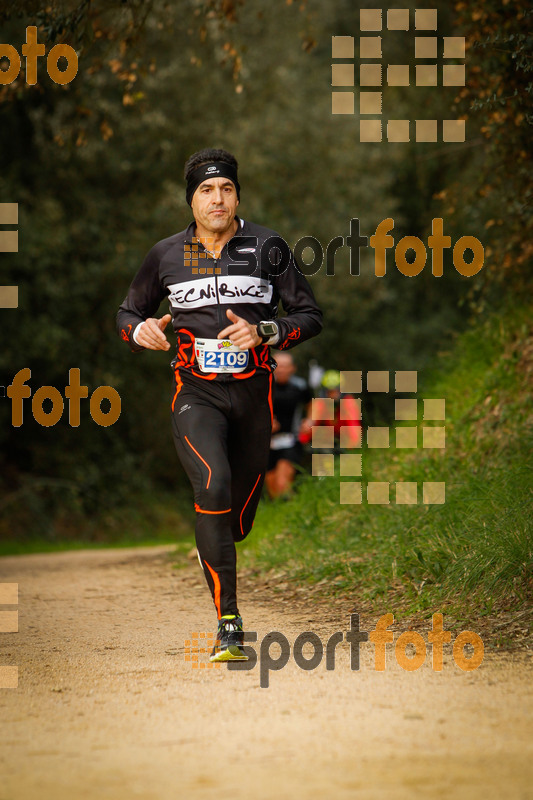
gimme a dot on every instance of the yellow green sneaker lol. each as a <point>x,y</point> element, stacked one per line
<point>230,637</point>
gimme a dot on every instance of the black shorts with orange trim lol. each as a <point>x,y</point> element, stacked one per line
<point>222,436</point>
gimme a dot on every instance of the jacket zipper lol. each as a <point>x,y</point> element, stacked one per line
<point>219,311</point>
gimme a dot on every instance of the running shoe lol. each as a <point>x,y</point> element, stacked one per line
<point>228,645</point>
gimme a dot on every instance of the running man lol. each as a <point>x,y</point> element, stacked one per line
<point>224,278</point>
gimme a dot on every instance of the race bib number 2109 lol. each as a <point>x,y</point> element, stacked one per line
<point>220,355</point>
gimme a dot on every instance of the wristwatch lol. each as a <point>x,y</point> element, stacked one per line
<point>267,330</point>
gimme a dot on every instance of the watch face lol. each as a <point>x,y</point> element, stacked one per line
<point>268,328</point>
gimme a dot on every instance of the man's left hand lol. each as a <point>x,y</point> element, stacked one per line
<point>240,332</point>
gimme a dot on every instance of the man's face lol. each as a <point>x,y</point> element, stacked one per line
<point>214,204</point>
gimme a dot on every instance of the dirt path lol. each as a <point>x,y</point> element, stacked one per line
<point>108,708</point>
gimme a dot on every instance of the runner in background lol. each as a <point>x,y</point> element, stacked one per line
<point>292,407</point>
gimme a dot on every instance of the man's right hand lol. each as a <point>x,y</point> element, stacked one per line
<point>150,334</point>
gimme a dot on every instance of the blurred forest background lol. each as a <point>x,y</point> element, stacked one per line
<point>96,167</point>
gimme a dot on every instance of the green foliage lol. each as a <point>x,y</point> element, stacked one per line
<point>96,168</point>
<point>496,186</point>
<point>479,544</point>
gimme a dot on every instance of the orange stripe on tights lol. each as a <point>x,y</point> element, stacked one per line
<point>216,581</point>
<point>203,460</point>
<point>244,506</point>
<point>203,511</point>
<point>179,384</point>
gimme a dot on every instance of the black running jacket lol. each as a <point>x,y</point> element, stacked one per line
<point>255,270</point>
